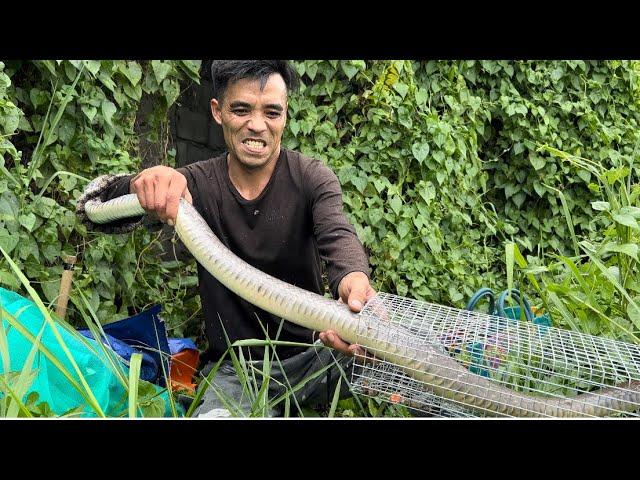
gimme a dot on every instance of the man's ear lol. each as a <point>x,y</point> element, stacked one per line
<point>216,111</point>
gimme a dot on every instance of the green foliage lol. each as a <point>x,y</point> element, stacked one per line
<point>440,161</point>
<point>587,109</point>
<point>597,291</point>
<point>407,157</point>
<point>63,123</point>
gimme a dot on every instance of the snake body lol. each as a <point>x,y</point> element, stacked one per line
<point>444,376</point>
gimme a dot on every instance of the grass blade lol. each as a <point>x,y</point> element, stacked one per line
<point>26,376</point>
<point>134,380</point>
<point>336,398</point>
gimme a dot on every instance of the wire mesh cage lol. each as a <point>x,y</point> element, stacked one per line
<point>447,362</point>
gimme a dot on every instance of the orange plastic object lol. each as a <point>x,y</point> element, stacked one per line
<point>183,368</point>
<point>395,398</point>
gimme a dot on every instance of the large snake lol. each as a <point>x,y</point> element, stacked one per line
<point>445,377</point>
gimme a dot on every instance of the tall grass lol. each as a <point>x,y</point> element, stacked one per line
<point>597,290</point>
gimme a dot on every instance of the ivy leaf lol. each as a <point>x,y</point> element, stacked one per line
<point>27,221</point>
<point>171,91</point>
<point>421,96</point>
<point>133,72</point>
<point>7,241</point>
<point>360,183</point>
<point>427,191</point>
<point>8,278</point>
<point>380,184</point>
<point>192,68</point>
<point>160,70</point>
<point>349,70</point>
<point>420,151</point>
<point>108,109</point>
<point>10,121</point>
<point>312,69</point>
<point>519,199</point>
<point>93,66</point>
<point>90,111</point>
<point>8,206</point>
<point>537,161</point>
<point>510,189</point>
<point>401,88</point>
<point>403,229</point>
<point>396,204</point>
<point>38,97</point>
<point>375,215</point>
<point>294,127</point>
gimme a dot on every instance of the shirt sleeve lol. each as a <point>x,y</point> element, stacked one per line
<point>338,244</point>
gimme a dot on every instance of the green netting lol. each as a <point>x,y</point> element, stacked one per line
<point>51,385</point>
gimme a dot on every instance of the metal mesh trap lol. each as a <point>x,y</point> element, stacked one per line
<point>458,363</point>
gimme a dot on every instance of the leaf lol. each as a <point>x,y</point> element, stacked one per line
<point>601,206</point>
<point>93,66</point>
<point>108,109</point>
<point>401,88</point>
<point>10,120</point>
<point>8,279</point>
<point>421,96</point>
<point>192,67</point>
<point>171,91</point>
<point>7,241</point>
<point>360,183</point>
<point>132,71</point>
<point>630,210</point>
<point>537,161</point>
<point>160,70</point>
<point>27,221</point>
<point>348,69</point>
<point>420,151</point>
<point>396,204</point>
<point>427,191</point>
<point>630,249</point>
<point>294,127</point>
<point>626,220</point>
<point>403,229</point>
<point>89,111</point>
<point>634,312</point>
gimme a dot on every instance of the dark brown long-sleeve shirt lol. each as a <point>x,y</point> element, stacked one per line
<point>296,223</point>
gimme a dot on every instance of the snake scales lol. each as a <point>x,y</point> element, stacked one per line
<point>444,376</point>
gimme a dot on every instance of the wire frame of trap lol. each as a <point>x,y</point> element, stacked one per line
<point>539,360</point>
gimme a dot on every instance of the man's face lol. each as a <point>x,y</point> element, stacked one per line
<point>252,120</point>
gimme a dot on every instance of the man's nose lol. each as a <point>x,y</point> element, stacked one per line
<point>257,124</point>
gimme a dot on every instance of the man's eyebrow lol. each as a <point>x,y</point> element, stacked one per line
<point>270,106</point>
<point>239,104</point>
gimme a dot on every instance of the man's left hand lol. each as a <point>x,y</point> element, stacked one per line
<point>355,291</point>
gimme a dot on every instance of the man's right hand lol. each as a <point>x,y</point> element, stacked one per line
<point>159,190</point>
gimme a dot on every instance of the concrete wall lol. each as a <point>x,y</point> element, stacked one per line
<point>195,134</point>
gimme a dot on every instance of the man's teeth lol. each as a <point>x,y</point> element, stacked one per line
<point>253,143</point>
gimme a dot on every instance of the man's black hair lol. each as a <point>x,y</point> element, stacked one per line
<point>225,71</point>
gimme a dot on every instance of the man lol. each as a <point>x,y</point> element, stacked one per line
<point>277,210</point>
